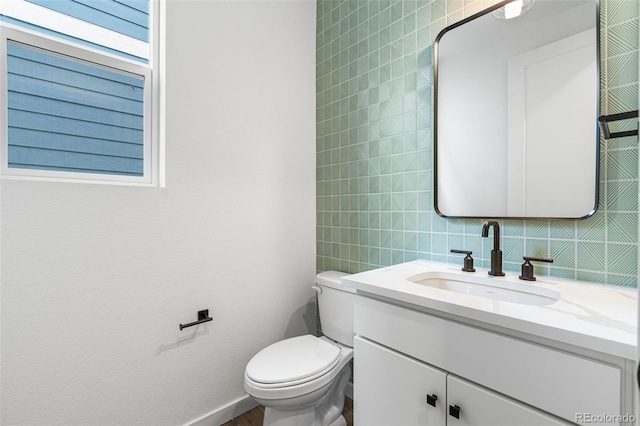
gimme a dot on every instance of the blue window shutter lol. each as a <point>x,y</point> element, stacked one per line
<point>129,17</point>
<point>68,115</point>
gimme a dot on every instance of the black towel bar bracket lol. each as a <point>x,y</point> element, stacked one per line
<point>203,316</point>
<point>606,119</point>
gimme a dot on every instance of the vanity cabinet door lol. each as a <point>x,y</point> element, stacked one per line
<point>474,405</point>
<point>393,389</point>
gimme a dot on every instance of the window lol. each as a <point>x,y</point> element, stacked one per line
<point>77,88</point>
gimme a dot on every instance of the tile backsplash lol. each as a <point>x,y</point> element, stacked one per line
<point>374,147</point>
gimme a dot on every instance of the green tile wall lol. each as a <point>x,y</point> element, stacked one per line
<point>374,148</point>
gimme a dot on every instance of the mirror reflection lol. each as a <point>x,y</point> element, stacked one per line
<point>516,107</point>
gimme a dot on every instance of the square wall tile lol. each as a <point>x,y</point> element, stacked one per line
<point>374,148</point>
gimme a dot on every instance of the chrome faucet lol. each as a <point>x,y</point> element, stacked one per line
<point>496,253</point>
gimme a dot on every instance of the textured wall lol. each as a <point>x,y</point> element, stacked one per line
<point>374,168</point>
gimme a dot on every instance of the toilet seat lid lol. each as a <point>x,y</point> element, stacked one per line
<point>292,360</point>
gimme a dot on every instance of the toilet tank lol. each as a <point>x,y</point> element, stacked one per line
<point>335,303</point>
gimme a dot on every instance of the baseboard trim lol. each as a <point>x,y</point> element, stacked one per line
<point>235,408</point>
<point>225,413</point>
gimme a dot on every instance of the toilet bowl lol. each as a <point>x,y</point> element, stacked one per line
<point>301,381</point>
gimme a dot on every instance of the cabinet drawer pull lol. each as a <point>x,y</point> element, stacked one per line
<point>454,411</point>
<point>431,399</point>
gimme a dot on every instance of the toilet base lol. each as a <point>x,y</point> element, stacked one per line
<point>340,421</point>
<point>320,408</point>
<point>295,418</point>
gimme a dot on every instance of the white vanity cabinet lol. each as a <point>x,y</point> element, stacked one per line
<point>411,366</point>
<point>393,389</point>
<point>478,406</point>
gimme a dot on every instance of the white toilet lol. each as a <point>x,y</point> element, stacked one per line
<point>301,381</point>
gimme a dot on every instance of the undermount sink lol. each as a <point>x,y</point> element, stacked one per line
<point>487,287</point>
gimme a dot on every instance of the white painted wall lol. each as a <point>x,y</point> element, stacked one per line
<point>95,279</point>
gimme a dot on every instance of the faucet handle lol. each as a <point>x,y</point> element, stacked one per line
<point>527,267</point>
<point>468,260</point>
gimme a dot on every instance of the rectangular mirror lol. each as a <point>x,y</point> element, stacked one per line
<point>516,108</point>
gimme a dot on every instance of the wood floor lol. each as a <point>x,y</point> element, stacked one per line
<point>255,416</point>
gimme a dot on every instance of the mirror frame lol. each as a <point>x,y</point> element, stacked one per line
<point>483,12</point>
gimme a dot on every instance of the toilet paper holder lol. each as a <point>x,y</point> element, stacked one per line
<point>203,316</point>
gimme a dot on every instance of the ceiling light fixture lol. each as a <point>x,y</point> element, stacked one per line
<point>513,9</point>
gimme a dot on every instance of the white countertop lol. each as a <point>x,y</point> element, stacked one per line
<point>592,316</point>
